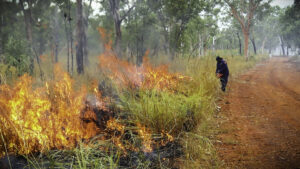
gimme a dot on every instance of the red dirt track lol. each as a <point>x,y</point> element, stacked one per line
<point>260,126</point>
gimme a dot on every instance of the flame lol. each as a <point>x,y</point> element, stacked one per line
<point>45,118</point>
<point>118,129</point>
<point>36,119</point>
<point>146,137</point>
<point>146,76</point>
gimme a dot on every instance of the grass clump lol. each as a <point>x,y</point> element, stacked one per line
<point>187,114</point>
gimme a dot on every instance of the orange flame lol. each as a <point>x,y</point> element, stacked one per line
<point>132,76</point>
<point>146,137</point>
<point>45,118</point>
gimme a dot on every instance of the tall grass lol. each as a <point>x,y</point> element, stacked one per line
<point>187,114</point>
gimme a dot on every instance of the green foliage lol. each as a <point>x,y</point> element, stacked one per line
<point>173,112</point>
<point>291,24</point>
<point>16,58</point>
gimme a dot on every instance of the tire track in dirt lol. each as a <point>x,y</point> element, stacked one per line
<point>260,126</point>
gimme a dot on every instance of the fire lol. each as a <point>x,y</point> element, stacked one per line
<point>132,76</point>
<point>146,137</point>
<point>51,116</point>
<point>118,129</point>
<point>159,78</point>
<point>43,118</point>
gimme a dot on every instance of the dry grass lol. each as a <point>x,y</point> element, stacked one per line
<point>188,115</point>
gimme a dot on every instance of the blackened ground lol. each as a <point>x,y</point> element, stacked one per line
<point>13,162</point>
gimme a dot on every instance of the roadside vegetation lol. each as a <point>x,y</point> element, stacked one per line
<point>124,84</point>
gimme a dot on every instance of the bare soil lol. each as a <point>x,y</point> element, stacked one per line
<point>260,118</point>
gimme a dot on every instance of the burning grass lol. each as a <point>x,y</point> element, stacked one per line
<point>47,117</point>
<point>150,118</point>
<point>56,116</point>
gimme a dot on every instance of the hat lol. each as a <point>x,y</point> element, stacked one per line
<point>218,58</point>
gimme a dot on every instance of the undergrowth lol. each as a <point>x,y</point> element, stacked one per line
<point>187,114</point>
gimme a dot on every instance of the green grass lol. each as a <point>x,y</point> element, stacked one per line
<point>187,114</point>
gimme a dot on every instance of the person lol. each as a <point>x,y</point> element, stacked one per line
<point>222,72</point>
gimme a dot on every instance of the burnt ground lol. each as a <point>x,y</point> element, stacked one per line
<point>260,118</point>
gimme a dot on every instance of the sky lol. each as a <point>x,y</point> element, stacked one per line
<point>282,3</point>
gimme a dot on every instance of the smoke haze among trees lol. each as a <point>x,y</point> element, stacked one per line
<point>67,31</point>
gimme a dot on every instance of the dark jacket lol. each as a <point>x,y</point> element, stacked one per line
<point>222,68</point>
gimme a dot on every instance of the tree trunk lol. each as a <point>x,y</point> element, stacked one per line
<point>71,36</point>
<point>263,45</point>
<point>118,38</point>
<point>86,25</point>
<point>56,35</point>
<point>28,28</point>
<point>287,50</point>
<point>114,6</point>
<point>1,41</point>
<point>79,36</point>
<point>141,52</point>
<point>1,27</point>
<point>253,44</point>
<point>246,42</point>
<point>282,45</point>
<point>240,43</point>
<point>71,47</point>
<point>68,43</point>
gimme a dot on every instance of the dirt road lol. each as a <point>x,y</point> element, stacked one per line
<point>260,126</point>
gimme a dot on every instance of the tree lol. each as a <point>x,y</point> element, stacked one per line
<point>290,22</point>
<point>181,12</point>
<point>29,33</point>
<point>55,27</point>
<point>243,11</point>
<point>86,25</point>
<point>118,19</point>
<point>79,37</point>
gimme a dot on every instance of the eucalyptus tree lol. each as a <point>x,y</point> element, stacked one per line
<point>290,22</point>
<point>181,13</point>
<point>244,11</point>
<point>119,10</point>
<point>80,34</point>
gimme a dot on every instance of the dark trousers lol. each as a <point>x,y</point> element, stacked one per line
<point>224,81</point>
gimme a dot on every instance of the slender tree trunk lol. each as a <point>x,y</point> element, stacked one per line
<point>139,59</point>
<point>240,43</point>
<point>1,41</point>
<point>1,27</point>
<point>68,46</point>
<point>282,45</point>
<point>28,28</point>
<point>246,43</point>
<point>115,5</point>
<point>79,36</point>
<point>118,38</point>
<point>28,33</point>
<point>56,52</point>
<point>84,48</point>
<point>71,47</point>
<point>253,44</point>
<point>56,35</point>
<point>85,41</point>
<point>263,45</point>
<point>287,50</point>
<point>70,34</point>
